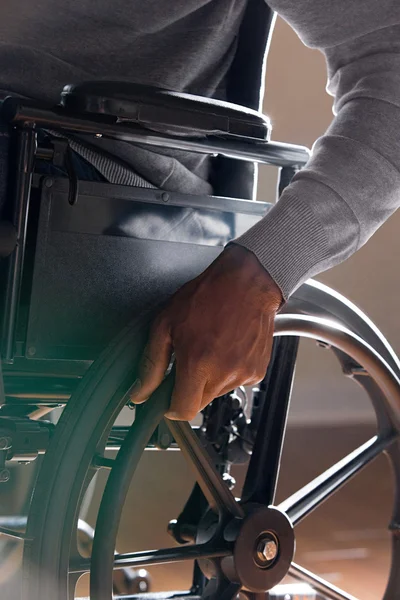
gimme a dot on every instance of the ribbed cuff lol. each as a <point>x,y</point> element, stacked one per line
<point>289,242</point>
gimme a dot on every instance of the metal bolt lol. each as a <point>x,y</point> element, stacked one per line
<point>49,182</point>
<point>229,480</point>
<point>4,475</point>
<point>270,550</point>
<point>165,197</point>
<point>32,351</point>
<point>267,550</point>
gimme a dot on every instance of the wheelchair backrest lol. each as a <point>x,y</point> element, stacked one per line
<point>245,86</point>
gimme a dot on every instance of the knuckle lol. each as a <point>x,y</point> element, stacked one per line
<point>200,357</point>
<point>146,365</point>
<point>253,375</point>
<point>163,319</point>
<point>160,325</point>
<point>183,333</point>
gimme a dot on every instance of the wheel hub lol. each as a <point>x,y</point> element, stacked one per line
<point>263,549</point>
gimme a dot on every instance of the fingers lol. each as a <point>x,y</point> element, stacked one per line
<point>154,363</point>
<point>188,393</point>
<point>194,389</point>
<point>216,392</point>
<point>221,386</point>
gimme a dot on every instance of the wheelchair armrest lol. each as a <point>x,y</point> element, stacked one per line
<point>167,111</point>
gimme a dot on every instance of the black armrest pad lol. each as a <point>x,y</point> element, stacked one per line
<point>157,108</point>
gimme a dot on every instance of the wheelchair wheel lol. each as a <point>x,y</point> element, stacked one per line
<point>243,548</point>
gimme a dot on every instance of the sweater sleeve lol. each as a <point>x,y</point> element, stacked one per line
<point>351,184</point>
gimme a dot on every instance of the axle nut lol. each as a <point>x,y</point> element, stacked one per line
<point>267,550</point>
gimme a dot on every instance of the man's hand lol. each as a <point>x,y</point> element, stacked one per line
<point>220,328</point>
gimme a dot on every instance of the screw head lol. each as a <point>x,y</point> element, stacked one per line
<point>49,182</point>
<point>165,197</point>
<point>267,550</point>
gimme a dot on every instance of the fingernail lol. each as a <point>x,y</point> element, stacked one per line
<point>172,415</point>
<point>135,389</point>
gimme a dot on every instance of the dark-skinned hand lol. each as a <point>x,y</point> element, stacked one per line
<point>220,327</point>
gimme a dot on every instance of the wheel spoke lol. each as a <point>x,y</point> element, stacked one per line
<point>326,589</point>
<point>101,462</point>
<point>12,534</point>
<point>156,596</point>
<point>312,495</point>
<point>275,391</point>
<point>118,434</point>
<point>156,557</point>
<point>13,527</point>
<point>256,595</point>
<point>178,554</point>
<point>209,479</point>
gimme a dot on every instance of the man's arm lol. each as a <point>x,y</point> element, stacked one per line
<point>220,328</point>
<point>220,325</point>
<point>351,185</point>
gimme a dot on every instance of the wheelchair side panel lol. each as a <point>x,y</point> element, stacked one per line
<point>114,254</point>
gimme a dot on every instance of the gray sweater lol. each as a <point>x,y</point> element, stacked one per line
<point>350,186</point>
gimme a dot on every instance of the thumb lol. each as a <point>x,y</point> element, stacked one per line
<point>153,364</point>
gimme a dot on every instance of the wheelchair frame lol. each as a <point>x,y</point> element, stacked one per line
<point>289,157</point>
<point>347,330</point>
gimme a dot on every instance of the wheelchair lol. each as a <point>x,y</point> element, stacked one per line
<point>80,258</point>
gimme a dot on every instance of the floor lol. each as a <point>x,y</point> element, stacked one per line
<point>345,540</point>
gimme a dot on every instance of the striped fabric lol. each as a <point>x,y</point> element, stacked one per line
<point>111,170</point>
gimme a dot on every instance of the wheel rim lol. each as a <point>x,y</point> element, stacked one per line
<point>343,341</point>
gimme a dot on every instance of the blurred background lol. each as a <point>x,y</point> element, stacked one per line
<point>301,110</point>
<point>345,541</point>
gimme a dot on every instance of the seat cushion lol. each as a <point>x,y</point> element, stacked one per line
<point>164,110</point>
